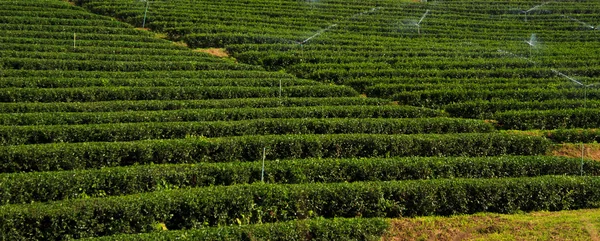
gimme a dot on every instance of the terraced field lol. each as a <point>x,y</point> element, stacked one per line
<point>329,118</point>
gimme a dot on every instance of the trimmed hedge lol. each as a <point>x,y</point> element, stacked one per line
<point>167,93</point>
<point>574,135</point>
<point>388,90</point>
<point>46,157</point>
<point>150,105</point>
<point>247,204</point>
<point>52,186</point>
<point>17,135</point>
<point>485,109</point>
<point>310,229</point>
<point>440,98</point>
<point>117,66</point>
<point>549,119</point>
<point>230,114</point>
<point>144,74</point>
<point>51,82</point>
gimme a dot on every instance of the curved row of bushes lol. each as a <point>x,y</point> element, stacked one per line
<point>53,186</point>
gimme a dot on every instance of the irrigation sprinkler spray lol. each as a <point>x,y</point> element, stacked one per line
<point>262,173</point>
<point>318,33</point>
<point>421,20</point>
<point>145,13</point>
<point>335,25</point>
<point>417,24</point>
<point>532,44</point>
<point>534,8</point>
<point>366,12</point>
<point>301,43</point>
<point>585,87</point>
<point>280,92</point>
<point>515,55</point>
<point>581,22</point>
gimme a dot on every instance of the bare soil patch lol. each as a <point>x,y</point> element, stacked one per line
<point>218,52</point>
<point>591,151</point>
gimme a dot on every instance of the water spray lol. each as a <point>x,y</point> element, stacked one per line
<point>532,43</point>
<point>262,173</point>
<point>534,8</point>
<point>145,13</point>
<point>581,22</point>
<point>421,20</point>
<point>585,87</point>
<point>318,33</point>
<point>532,40</point>
<point>372,10</point>
<point>567,77</point>
<point>516,55</point>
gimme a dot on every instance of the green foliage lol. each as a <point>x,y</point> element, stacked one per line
<point>486,109</point>
<point>574,135</point>
<point>388,90</point>
<point>16,135</point>
<point>52,82</point>
<point>52,186</point>
<point>221,40</point>
<point>166,93</point>
<point>548,119</point>
<point>439,98</point>
<point>248,204</point>
<point>310,229</point>
<point>45,157</point>
<point>149,105</point>
<point>230,114</point>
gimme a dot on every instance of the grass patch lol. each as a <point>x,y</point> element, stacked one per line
<point>160,36</point>
<point>564,225</point>
<point>181,44</point>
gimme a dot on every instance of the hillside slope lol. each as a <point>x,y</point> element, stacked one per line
<point>108,130</point>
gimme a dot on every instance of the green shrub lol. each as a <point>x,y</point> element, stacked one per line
<point>17,135</point>
<point>219,114</point>
<point>261,203</point>
<point>90,94</point>
<point>574,135</point>
<point>152,105</point>
<point>52,186</point>
<point>310,229</point>
<point>45,157</point>
<point>485,109</point>
<point>548,119</point>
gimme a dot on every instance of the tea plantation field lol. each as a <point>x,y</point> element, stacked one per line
<point>327,120</point>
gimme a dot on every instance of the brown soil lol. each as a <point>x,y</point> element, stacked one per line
<point>221,53</point>
<point>591,151</point>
